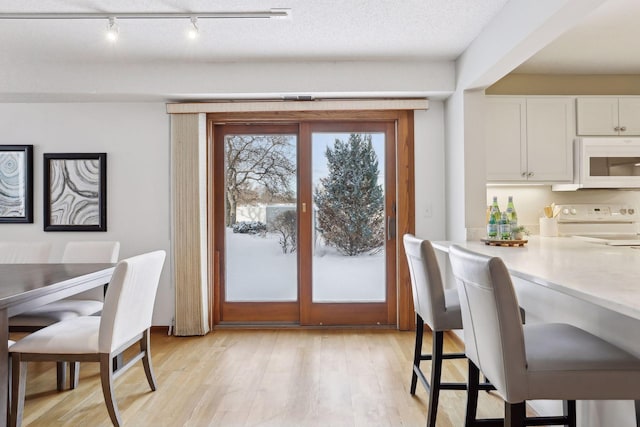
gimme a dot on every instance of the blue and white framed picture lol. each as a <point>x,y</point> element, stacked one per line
<point>75,192</point>
<point>16,183</point>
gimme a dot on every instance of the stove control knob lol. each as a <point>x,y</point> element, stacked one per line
<point>623,211</point>
<point>573,211</point>
<point>565,211</point>
<point>631,211</point>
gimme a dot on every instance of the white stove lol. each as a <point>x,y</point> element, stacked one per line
<point>609,224</point>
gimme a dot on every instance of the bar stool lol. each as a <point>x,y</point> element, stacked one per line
<point>551,361</point>
<point>440,310</point>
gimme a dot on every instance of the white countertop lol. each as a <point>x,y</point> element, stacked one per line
<point>608,276</point>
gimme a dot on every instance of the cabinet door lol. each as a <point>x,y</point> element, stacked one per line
<point>550,133</point>
<point>597,116</point>
<point>505,139</point>
<point>629,114</point>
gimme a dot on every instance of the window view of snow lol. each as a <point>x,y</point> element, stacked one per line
<point>348,218</point>
<point>259,271</point>
<point>348,258</point>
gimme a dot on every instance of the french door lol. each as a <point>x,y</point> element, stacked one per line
<point>304,222</point>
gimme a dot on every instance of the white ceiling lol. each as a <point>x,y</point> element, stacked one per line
<point>327,30</point>
<point>332,31</point>
<point>607,42</point>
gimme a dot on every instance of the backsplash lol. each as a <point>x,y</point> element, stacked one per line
<point>529,201</point>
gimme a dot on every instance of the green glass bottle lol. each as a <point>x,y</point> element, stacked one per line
<point>512,216</point>
<point>494,219</point>
<point>504,227</point>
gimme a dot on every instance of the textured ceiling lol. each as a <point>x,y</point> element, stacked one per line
<point>604,43</point>
<point>333,30</point>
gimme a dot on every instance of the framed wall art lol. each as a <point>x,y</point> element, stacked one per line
<point>75,192</point>
<point>16,183</point>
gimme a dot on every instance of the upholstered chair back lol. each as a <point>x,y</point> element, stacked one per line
<point>128,305</point>
<point>426,281</point>
<point>493,333</point>
<point>91,252</point>
<point>24,252</point>
<point>88,252</point>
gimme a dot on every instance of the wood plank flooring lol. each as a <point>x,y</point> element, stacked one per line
<point>267,378</point>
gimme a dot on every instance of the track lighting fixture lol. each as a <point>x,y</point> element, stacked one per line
<point>193,31</point>
<point>112,30</point>
<point>259,14</point>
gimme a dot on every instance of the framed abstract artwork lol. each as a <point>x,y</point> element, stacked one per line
<point>75,192</point>
<point>16,183</point>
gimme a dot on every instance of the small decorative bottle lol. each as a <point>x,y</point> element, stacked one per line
<point>512,216</point>
<point>494,218</point>
<point>504,227</point>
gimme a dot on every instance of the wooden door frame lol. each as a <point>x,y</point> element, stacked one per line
<point>405,191</point>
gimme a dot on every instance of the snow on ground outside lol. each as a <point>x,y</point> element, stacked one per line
<point>257,270</point>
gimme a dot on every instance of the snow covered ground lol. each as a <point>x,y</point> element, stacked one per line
<point>257,270</point>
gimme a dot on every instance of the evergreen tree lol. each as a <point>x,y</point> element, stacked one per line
<point>349,200</point>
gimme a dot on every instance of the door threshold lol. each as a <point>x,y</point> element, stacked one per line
<point>288,325</point>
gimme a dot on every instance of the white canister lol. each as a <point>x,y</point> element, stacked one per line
<point>548,227</point>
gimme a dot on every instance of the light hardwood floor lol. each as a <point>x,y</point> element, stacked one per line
<point>279,378</point>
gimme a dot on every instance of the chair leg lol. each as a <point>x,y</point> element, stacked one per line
<point>74,374</point>
<point>106,377</point>
<point>417,352</point>
<point>436,372</point>
<point>18,385</point>
<point>145,347</point>
<point>569,411</point>
<point>61,374</point>
<point>473,383</point>
<point>10,384</point>
<point>514,414</point>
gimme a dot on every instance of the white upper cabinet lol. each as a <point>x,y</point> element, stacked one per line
<point>505,138</point>
<point>608,115</point>
<point>529,139</point>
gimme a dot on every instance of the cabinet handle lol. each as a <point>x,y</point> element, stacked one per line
<point>523,174</point>
<point>530,174</point>
<point>623,128</point>
<point>617,128</point>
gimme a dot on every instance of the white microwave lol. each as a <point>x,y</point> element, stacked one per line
<point>604,163</point>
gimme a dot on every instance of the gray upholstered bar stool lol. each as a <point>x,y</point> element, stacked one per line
<point>551,361</point>
<point>440,310</point>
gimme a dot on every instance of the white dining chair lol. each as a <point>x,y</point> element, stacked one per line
<point>24,252</point>
<point>125,321</point>
<point>83,304</point>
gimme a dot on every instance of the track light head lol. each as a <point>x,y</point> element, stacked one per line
<point>193,31</point>
<point>112,30</point>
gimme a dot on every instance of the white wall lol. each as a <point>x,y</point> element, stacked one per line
<point>429,172</point>
<point>135,137</point>
<point>227,80</point>
<point>520,29</point>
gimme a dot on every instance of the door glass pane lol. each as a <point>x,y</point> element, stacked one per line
<point>348,217</point>
<point>260,218</point>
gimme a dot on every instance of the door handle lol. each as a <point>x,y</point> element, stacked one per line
<point>391,227</point>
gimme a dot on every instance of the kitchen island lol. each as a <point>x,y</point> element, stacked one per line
<point>593,286</point>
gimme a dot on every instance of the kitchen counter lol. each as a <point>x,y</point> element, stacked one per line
<point>604,275</point>
<point>590,285</point>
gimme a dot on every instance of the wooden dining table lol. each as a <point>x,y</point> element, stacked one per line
<point>24,287</point>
